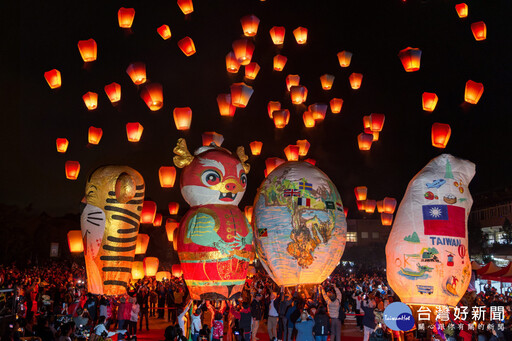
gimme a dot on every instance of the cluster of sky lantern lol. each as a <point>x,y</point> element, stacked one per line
<point>386,207</point>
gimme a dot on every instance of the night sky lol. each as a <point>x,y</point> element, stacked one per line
<point>45,35</point>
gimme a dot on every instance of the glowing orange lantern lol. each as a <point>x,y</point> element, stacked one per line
<point>360,205</point>
<point>243,49</point>
<point>361,192</point>
<point>125,17</point>
<point>177,271</point>
<point>174,208</point>
<point>429,101</point>
<point>72,169</point>
<point>148,213</point>
<point>336,105</point>
<point>377,122</point>
<point>212,137</point>
<point>164,31</point>
<point>225,106</point>
<point>162,276</point>
<point>75,241</point>
<point>272,163</point>
<point>364,141</point>
<point>186,6</point>
<point>273,106</point>
<point>170,226</point>
<point>134,131</point>
<point>309,120</point>
<point>153,95</point>
<point>175,235</point>
<point>292,152</point>
<point>389,205</point>
<point>182,118</point>
<point>248,213</point>
<point>277,34</point>
<point>345,210</point>
<point>137,72</point>
<point>240,94</point>
<point>158,220</point>
<point>279,62</point>
<point>281,118</point>
<point>366,123</point>
<point>113,92</point>
<point>479,30</point>
<point>344,58</point>
<point>167,176</point>
<point>319,110</point>
<point>355,80</point>
<point>232,64</point>
<point>310,161</point>
<point>369,206</point>
<point>380,206</point>
<point>256,147</point>
<point>386,219</point>
<point>441,133</point>
<point>187,46</point>
<point>62,145</point>
<point>251,70</point>
<point>95,135</point>
<point>141,245</point>
<point>250,25</point>
<point>88,50</point>
<point>137,270</point>
<point>90,100</point>
<point>303,147</point>
<point>298,94</point>
<point>301,35</point>
<point>375,135</point>
<point>462,10</point>
<point>327,81</point>
<point>473,92</point>
<point>150,266</point>
<point>410,58</point>
<point>292,80</point>
<point>53,78</point>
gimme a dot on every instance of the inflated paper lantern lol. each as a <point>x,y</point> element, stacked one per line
<point>380,206</point>
<point>301,35</point>
<point>162,276</point>
<point>232,65</point>
<point>298,94</point>
<point>344,58</point>
<point>355,80</point>
<point>272,163</point>
<point>479,30</point>
<point>473,92</point>
<point>377,121</point>
<point>72,169</point>
<point>211,136</point>
<point>62,145</point>
<point>137,270</point>
<point>142,244</point>
<point>369,206</point>
<point>75,241</point>
<point>94,135</point>
<point>292,152</point>
<point>364,141</point>
<point>256,147</point>
<point>279,62</point>
<point>164,31</point>
<point>303,147</point>
<point>137,72</point>
<point>240,94</point>
<point>292,80</point>
<point>225,106</point>
<point>243,49</point>
<point>251,70</point>
<point>248,213</point>
<point>366,123</point>
<point>309,120</point>
<point>186,6</point>
<point>310,161</point>
<point>153,95</point>
<point>177,270</point>
<point>361,192</point>
<point>336,105</point>
<point>462,10</point>
<point>187,46</point>
<point>319,110</point>
<point>410,58</point>
<point>113,91</point>
<point>389,205</point>
<point>386,219</point>
<point>182,118</point>
<point>170,226</point>
<point>360,205</point>
<point>281,118</point>
<point>375,135</point>
<point>158,220</point>
<point>426,253</point>
<point>134,131</point>
<point>327,81</point>
<point>441,133</point>
<point>277,34</point>
<point>167,176</point>
<point>429,101</point>
<point>174,207</point>
<point>273,106</point>
<point>148,213</point>
<point>250,25</point>
<point>304,199</point>
<point>125,17</point>
<point>90,100</point>
<point>53,78</point>
<point>88,50</point>
<point>150,266</point>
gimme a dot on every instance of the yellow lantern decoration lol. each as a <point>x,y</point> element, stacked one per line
<point>410,58</point>
<point>298,94</point>
<point>94,135</point>
<point>137,73</point>
<point>303,147</point>
<point>250,25</point>
<point>301,35</point>
<point>164,31</point>
<point>279,62</point>
<point>72,169</point>
<point>53,78</point>
<point>327,81</point>
<point>277,35</point>
<point>355,80</point>
<point>386,219</point>
<point>167,176</point>
<point>75,241</point>
<point>150,266</point>
<point>187,46</point>
<point>153,95</point>
<point>336,105</point>
<point>125,17</point>
<point>163,275</point>
<point>473,92</point>
<point>256,147</point>
<point>186,6</point>
<point>243,49</point>
<point>281,118</point>
<point>170,226</point>
<point>361,192</point>
<point>240,94</point>
<point>142,244</point>
<point>429,101</point>
<point>158,220</point>
<point>137,270</point>
<point>462,10</point>
<point>251,70</point>
<point>479,30</point>
<point>113,91</point>
<point>90,100</point>
<point>273,106</point>
<point>292,152</point>
<point>232,64</point>
<point>182,118</point>
<point>88,50</point>
<point>62,145</point>
<point>344,58</point>
<point>212,137</point>
<point>225,106</point>
<point>292,80</point>
<point>134,131</point>
<point>309,120</point>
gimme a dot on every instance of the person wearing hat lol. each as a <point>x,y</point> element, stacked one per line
<point>257,314</point>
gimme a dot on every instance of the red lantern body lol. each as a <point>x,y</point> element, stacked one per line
<point>410,58</point>
<point>303,147</point>
<point>292,80</point>
<point>170,226</point>
<point>251,70</point>
<point>148,213</point>
<point>53,78</point>
<point>473,92</point>
<point>211,136</point>
<point>336,105</point>
<point>62,145</point>
<point>232,64</point>
<point>150,266</point>
<point>429,101</point>
<point>364,141</point>
<point>72,169</point>
<point>309,120</point>
<point>125,17</point>
<point>158,220</point>
<point>243,49</point>
<point>279,62</point>
<point>462,10</point>
<point>134,131</point>
<point>440,134</point>
<point>377,122</point>
<point>88,50</point>
<point>281,118</point>
<point>164,31</point>
<point>90,100</point>
<point>137,72</point>
<point>272,163</point>
<point>167,176</point>
<point>479,30</point>
<point>187,46</point>
<point>225,106</point>
<point>273,106</point>
<point>360,205</point>
<point>344,58</point>
<point>310,161</point>
<point>355,80</point>
<point>113,91</point>
<point>277,34</point>
<point>177,271</point>
<point>301,35</point>
<point>298,94</point>
<point>75,241</point>
<point>327,81</point>
<point>153,95</point>
<point>389,205</point>
<point>141,245</point>
<point>174,208</point>
<point>240,94</point>
<point>94,135</point>
<point>292,152</point>
<point>182,118</point>
<point>256,147</point>
<point>186,6</point>
<point>386,219</point>
<point>250,25</point>
<point>361,193</point>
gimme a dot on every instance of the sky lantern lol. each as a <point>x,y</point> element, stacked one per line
<point>292,152</point>
<point>360,205</point>
<point>148,213</point>
<point>174,208</point>
<point>364,141</point>
<point>473,92</point>
<point>72,169</point>
<point>361,192</point>
<point>273,106</point>
<point>309,120</point>
<point>326,81</point>
<point>301,35</point>
<point>386,219</point>
<point>75,241</point>
<point>62,145</point>
<point>277,35</point>
<point>303,147</point>
<point>182,118</point>
<point>355,80</point>
<point>170,226</point>
<point>250,25</point>
<point>94,135</point>
<point>336,105</point>
<point>298,94</point>
<point>318,110</point>
<point>137,270</point>
<point>162,276</point>
<point>232,64</point>
<point>389,205</point>
<point>272,163</point>
<point>366,123</point>
<point>141,245</point>
<point>90,100</point>
<point>158,220</point>
<point>225,106</point>
<point>113,91</point>
<point>479,30</point>
<point>134,131</point>
<point>380,206</point>
<point>137,72</point>
<point>441,133</point>
<point>256,147</point>
<point>177,270</point>
<point>377,121</point>
<point>164,31</point>
<point>153,95</point>
<point>281,118</point>
<point>369,206</point>
<point>429,101</point>
<point>240,94</point>
<point>125,17</point>
<point>248,213</point>
<point>243,49</point>
<point>251,70</point>
<point>53,78</point>
<point>150,266</point>
<point>167,176</point>
<point>88,50</point>
<point>410,58</point>
<point>211,136</point>
<point>344,58</point>
<point>345,210</point>
<point>310,161</point>
<point>292,80</point>
<point>187,46</point>
<point>186,6</point>
<point>375,135</point>
<point>279,62</point>
<point>462,10</point>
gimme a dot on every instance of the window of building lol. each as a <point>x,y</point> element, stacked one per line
<point>375,235</point>
<point>364,235</point>
<point>352,237</point>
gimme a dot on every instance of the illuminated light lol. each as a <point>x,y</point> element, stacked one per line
<point>186,6</point>
<point>134,131</point>
<point>310,161</point>
<point>281,118</point>
<point>250,25</point>
<point>292,152</point>
<point>177,271</point>
<point>137,73</point>
<point>248,210</point>
<point>167,176</point>
<point>90,100</point>
<point>148,213</point>
<point>326,81</point>
<point>473,92</point>
<point>142,243</point>
<point>479,30</point>
<point>225,106</point>
<point>360,205</point>
<point>256,147</point>
<point>375,135</point>
<point>366,123</point>
<point>150,266</point>
<point>279,62</point>
<point>345,210</point>
<point>386,219</point>
<point>170,226</point>
<point>273,106</point>
<point>319,110</point>
<point>309,120</point>
<point>292,80</point>
<point>72,169</point>
<point>158,220</point>
<point>251,70</point>
<point>240,94</point>
<point>210,137</point>
<point>88,50</point>
<point>364,141</point>
<point>344,58</point>
<point>53,78</point>
<point>94,135</point>
<point>137,270</point>
<point>62,145</point>
<point>377,122</point>
<point>277,34</point>
<point>75,241</point>
<point>336,105</point>
<point>243,49</point>
<point>389,205</point>
<point>162,276</point>
<point>125,17</point>
<point>441,133</point>
<point>232,65</point>
<point>355,80</point>
<point>369,206</point>
<point>187,46</point>
<point>301,35</point>
<point>174,208</point>
<point>410,58</point>
<point>380,206</point>
<point>361,193</point>
<point>462,10</point>
<point>303,147</point>
<point>153,95</point>
<point>164,31</point>
<point>113,91</point>
<point>272,163</point>
<point>429,101</point>
<point>182,118</point>
<point>298,94</point>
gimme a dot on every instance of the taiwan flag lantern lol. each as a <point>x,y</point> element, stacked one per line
<point>429,101</point>
<point>293,200</point>
<point>62,145</point>
<point>167,176</point>
<point>273,106</point>
<point>344,58</point>
<point>186,6</point>
<point>125,17</point>
<point>88,50</point>
<point>182,118</point>
<point>292,80</point>
<point>301,35</point>
<point>243,49</point>
<point>225,107</point>
<point>232,65</point>
<point>90,100</point>
<point>410,58</point>
<point>336,105</point>
<point>187,46</point>
<point>95,135</point>
<point>152,94</point>
<point>250,25</point>
<point>174,207</point>
<point>430,227</point>
<point>441,133</point>
<point>75,241</point>
<point>462,10</point>
<point>150,266</point>
<point>164,31</point>
<point>212,137</point>
<point>479,30</point>
<point>256,147</point>
<point>137,73</point>
<point>361,192</point>
<point>134,131</point>
<point>53,78</point>
<point>279,62</point>
<point>177,270</point>
<point>148,212</point>
<point>251,70</point>
<point>142,244</point>
<point>158,220</point>
<point>355,80</point>
<point>113,91</point>
<point>277,35</point>
<point>240,94</point>
<point>72,169</point>
<point>473,92</point>
<point>214,240</point>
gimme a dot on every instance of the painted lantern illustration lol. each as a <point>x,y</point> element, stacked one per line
<point>427,262</point>
<point>214,238</point>
<point>299,224</point>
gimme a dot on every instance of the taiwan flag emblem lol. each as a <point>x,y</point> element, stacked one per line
<point>444,220</point>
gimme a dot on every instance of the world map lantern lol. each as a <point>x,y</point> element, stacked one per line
<point>299,224</point>
<point>426,253</point>
<point>214,240</point>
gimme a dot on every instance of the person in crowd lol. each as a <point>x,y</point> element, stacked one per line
<point>333,300</point>
<point>257,314</point>
<point>195,326</point>
<point>322,324</point>
<point>134,316</point>
<point>273,314</point>
<point>143,298</point>
<point>368,308</point>
<point>305,327</point>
